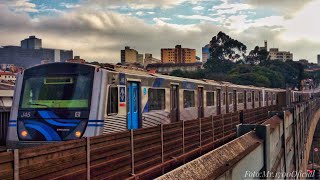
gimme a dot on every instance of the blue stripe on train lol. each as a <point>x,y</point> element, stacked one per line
<point>46,131</point>
<point>95,125</point>
<point>95,120</point>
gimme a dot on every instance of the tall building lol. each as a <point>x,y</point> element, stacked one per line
<point>205,53</point>
<point>275,54</point>
<point>318,59</point>
<point>31,53</point>
<point>129,56</point>
<point>178,55</point>
<point>31,43</point>
<point>140,59</point>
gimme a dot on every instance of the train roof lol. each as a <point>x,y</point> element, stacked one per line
<point>139,71</point>
<point>142,72</point>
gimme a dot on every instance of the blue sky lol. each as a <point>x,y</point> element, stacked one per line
<point>99,29</point>
<point>176,13</point>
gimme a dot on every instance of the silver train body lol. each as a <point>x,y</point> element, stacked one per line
<point>117,99</point>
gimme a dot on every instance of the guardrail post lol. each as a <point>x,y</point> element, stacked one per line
<point>200,143</point>
<point>183,141</point>
<point>212,132</point>
<point>223,127</point>
<point>162,146</point>
<point>88,158</point>
<point>183,150</point>
<point>16,164</point>
<point>132,152</point>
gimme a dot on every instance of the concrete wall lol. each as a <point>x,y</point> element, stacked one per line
<point>280,145</point>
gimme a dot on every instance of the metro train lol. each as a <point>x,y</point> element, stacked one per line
<point>66,101</point>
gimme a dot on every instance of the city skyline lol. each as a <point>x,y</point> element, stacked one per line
<point>98,30</point>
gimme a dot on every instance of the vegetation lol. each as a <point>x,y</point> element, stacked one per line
<point>228,62</point>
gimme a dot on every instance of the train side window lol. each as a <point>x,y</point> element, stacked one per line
<point>274,96</point>
<point>256,96</point>
<point>249,97</point>
<point>112,107</point>
<point>188,99</point>
<point>266,97</point>
<point>224,99</point>
<point>210,99</point>
<point>230,98</point>
<point>156,99</point>
<point>240,98</point>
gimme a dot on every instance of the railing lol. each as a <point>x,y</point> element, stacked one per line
<point>4,122</point>
<point>143,153</point>
<point>277,148</point>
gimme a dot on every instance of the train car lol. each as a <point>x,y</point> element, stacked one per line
<point>65,101</point>
<point>52,103</point>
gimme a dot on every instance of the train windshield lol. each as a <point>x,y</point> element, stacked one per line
<point>56,90</point>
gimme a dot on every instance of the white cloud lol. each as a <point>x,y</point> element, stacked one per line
<point>140,13</point>
<point>95,33</point>
<point>69,5</point>
<point>200,17</point>
<point>20,5</point>
<point>304,24</point>
<point>163,18</point>
<point>177,27</point>
<point>230,8</point>
<point>150,12</point>
<point>198,8</point>
<point>141,4</point>
<point>284,7</point>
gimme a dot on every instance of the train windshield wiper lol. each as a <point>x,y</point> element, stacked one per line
<point>37,104</point>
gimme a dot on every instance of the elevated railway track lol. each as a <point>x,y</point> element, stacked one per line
<point>136,154</point>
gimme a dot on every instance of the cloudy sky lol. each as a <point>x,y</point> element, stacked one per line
<point>99,29</point>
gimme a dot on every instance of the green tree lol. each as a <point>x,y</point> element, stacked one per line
<point>257,56</point>
<point>256,75</point>
<point>223,47</point>
<point>224,51</point>
<point>293,72</point>
<point>219,66</point>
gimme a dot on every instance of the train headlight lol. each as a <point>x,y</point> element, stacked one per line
<point>24,133</point>
<point>78,134</point>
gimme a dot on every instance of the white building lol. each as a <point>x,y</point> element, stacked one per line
<point>7,76</point>
<point>275,54</point>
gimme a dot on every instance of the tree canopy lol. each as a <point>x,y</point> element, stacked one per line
<point>257,56</point>
<point>228,62</point>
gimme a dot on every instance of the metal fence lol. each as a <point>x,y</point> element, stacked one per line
<point>4,122</point>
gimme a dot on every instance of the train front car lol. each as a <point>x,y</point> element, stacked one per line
<point>51,103</point>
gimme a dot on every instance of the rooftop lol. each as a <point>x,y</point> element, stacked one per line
<point>173,64</point>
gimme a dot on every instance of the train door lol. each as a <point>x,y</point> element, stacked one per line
<point>133,105</point>
<point>245,99</point>
<point>200,102</point>
<point>235,100</point>
<point>174,103</point>
<point>218,101</point>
